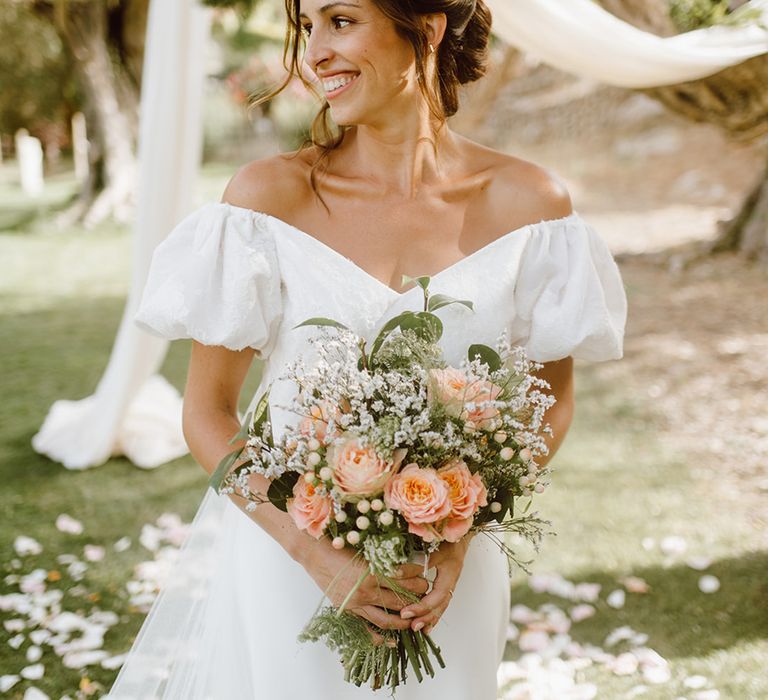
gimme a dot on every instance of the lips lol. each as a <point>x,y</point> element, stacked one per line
<point>334,85</point>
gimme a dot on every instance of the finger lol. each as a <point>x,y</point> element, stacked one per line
<point>409,571</point>
<point>378,639</point>
<point>382,598</point>
<point>416,584</point>
<point>438,597</point>
<point>381,618</point>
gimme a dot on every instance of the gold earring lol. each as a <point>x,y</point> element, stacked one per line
<point>431,49</point>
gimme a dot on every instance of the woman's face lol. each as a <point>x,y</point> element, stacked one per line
<point>366,70</point>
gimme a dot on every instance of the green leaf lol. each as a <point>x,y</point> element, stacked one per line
<point>386,329</point>
<point>223,468</point>
<point>319,321</point>
<point>243,433</point>
<point>427,325</point>
<point>486,354</point>
<point>281,489</point>
<point>261,414</point>
<point>438,301</point>
<point>422,282</point>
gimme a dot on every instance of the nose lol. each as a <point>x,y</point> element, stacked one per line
<point>317,50</point>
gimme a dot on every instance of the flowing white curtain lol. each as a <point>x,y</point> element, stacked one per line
<point>579,36</point>
<point>134,411</point>
<point>137,413</point>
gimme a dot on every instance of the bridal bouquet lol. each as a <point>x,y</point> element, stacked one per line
<point>395,452</point>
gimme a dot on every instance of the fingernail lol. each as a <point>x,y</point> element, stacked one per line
<point>407,614</point>
<point>418,626</point>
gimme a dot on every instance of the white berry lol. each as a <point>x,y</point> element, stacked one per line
<point>469,427</point>
<point>362,522</point>
<point>341,516</point>
<point>495,507</point>
<point>386,518</point>
<point>500,437</point>
<point>326,473</point>
<point>525,454</point>
<point>313,459</point>
<point>539,488</point>
<point>313,444</point>
<point>363,506</point>
<point>377,504</point>
<point>507,453</point>
<point>309,477</point>
<point>353,537</point>
<point>338,543</point>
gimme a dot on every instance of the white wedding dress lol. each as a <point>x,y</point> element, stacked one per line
<point>225,625</point>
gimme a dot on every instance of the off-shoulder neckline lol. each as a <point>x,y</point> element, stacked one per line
<point>574,215</point>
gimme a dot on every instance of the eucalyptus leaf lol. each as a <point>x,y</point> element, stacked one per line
<point>486,354</point>
<point>319,321</point>
<point>438,301</point>
<point>281,489</point>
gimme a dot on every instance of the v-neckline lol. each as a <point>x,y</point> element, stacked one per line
<point>362,271</point>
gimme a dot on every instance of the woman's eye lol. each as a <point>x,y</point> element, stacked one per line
<point>338,23</point>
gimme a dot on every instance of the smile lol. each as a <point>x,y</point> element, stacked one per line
<point>335,86</point>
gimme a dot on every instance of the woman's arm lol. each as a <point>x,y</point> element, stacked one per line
<point>559,374</point>
<point>210,419</point>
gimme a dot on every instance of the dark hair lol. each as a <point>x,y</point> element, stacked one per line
<point>461,58</point>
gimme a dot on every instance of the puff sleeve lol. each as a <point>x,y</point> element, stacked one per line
<point>215,278</point>
<point>569,295</point>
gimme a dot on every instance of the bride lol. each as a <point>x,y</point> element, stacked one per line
<point>384,189</point>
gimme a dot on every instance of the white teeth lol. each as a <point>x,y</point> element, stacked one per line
<point>336,83</point>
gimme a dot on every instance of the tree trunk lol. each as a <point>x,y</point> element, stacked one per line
<point>106,41</point>
<point>734,99</point>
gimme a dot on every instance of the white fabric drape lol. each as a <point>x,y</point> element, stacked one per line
<point>133,411</point>
<point>579,36</point>
<point>137,413</point>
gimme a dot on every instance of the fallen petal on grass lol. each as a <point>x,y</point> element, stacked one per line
<point>709,584</point>
<point>33,673</point>
<point>66,523</point>
<point>26,546</point>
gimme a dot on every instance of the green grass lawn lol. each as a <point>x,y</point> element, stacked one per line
<point>616,484</point>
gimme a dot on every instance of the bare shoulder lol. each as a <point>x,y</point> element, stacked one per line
<point>520,192</point>
<point>273,185</point>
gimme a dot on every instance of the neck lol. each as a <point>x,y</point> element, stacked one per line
<point>401,157</point>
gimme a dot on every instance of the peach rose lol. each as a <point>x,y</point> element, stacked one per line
<point>466,492</point>
<point>321,415</point>
<point>309,509</point>
<point>422,498</point>
<point>453,388</point>
<point>358,470</point>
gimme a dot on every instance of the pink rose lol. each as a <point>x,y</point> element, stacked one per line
<point>453,388</point>
<point>422,498</point>
<point>467,493</point>
<point>317,423</point>
<point>309,509</point>
<point>358,470</point>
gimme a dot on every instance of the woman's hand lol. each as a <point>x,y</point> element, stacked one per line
<point>324,563</point>
<point>449,561</point>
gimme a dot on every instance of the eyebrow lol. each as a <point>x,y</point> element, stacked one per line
<point>328,6</point>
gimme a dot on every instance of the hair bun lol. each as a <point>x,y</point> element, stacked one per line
<point>471,45</point>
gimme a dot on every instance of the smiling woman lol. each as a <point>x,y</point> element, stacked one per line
<point>401,194</point>
<point>385,44</point>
